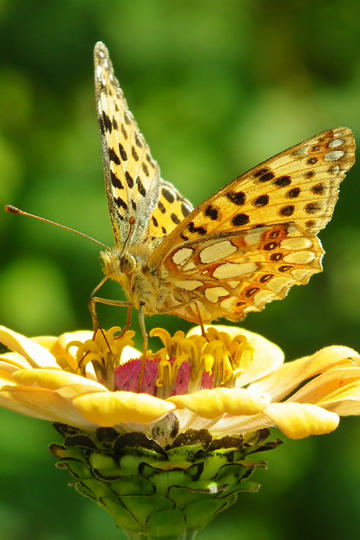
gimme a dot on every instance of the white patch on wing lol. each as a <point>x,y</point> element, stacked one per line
<point>217,251</point>
<point>181,256</point>
<point>229,270</point>
<point>214,293</point>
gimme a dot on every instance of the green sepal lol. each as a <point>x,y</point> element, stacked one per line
<point>155,491</point>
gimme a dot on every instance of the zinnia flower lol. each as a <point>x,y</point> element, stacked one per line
<point>161,441</point>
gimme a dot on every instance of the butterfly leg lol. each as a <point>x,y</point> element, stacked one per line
<point>200,320</point>
<point>128,321</point>
<point>145,344</point>
<point>143,328</point>
<point>93,300</point>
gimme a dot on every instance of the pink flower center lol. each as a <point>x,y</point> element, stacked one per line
<point>126,377</point>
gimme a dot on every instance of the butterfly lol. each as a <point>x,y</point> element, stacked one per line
<point>245,246</point>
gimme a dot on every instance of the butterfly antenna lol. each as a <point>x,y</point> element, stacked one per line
<point>13,210</point>
<point>131,225</point>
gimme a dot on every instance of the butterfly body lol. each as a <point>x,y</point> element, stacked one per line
<point>245,246</point>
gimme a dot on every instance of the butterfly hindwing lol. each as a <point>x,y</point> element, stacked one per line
<point>233,274</point>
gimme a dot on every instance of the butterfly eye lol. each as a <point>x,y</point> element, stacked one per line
<point>127,263</point>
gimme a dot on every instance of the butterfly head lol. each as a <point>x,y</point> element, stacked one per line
<point>118,264</point>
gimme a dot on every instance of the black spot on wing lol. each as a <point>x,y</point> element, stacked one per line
<point>113,156</point>
<point>123,154</point>
<point>312,208</point>
<point>115,181</point>
<point>120,203</point>
<point>134,154</point>
<point>129,179</point>
<point>318,189</point>
<point>161,207</point>
<point>262,200</point>
<point>283,181</point>
<point>175,219</point>
<point>193,229</point>
<point>293,193</point>
<point>169,196</point>
<point>237,198</point>
<point>185,209</point>
<point>260,172</point>
<point>140,186</point>
<point>266,177</point>
<point>145,168</point>
<point>287,210</point>
<point>124,132</point>
<point>211,212</point>
<point>106,122</point>
<point>240,219</point>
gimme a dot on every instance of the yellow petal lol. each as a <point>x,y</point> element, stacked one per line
<point>43,404</point>
<point>36,355</point>
<point>241,424</point>
<point>300,420</point>
<point>54,379</point>
<point>218,401</point>
<point>11,361</point>
<point>46,341</point>
<point>344,401</point>
<point>267,356</point>
<point>325,385</point>
<point>6,378</point>
<point>111,408</point>
<point>289,376</point>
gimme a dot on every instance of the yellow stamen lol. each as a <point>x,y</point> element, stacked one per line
<point>103,351</point>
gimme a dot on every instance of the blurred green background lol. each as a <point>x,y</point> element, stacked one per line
<point>216,87</point>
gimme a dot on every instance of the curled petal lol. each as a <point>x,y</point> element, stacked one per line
<point>289,376</point>
<point>43,404</point>
<point>300,420</point>
<point>345,401</point>
<point>328,384</point>
<point>35,354</point>
<point>54,379</point>
<point>218,401</point>
<point>11,361</point>
<point>107,409</point>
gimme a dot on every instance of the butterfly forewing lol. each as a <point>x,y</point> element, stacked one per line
<point>132,177</point>
<point>256,237</point>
